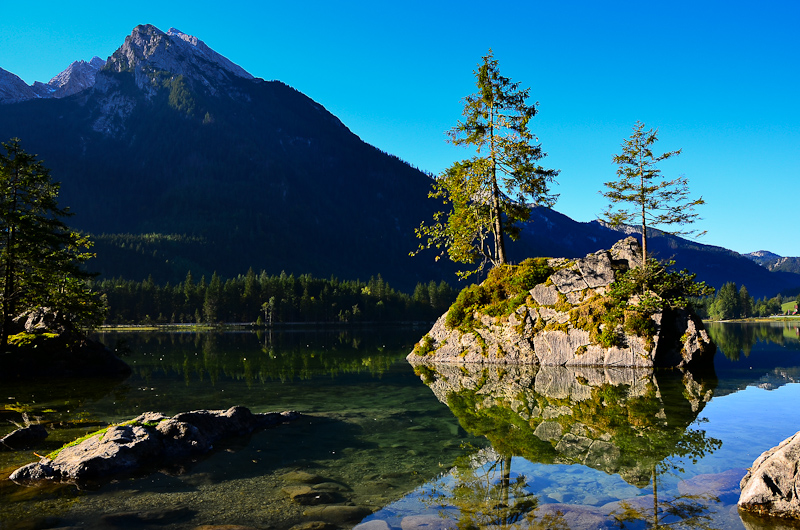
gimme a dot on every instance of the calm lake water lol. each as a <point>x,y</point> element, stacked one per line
<point>513,447</point>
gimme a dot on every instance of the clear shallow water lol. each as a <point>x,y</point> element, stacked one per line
<point>554,449</point>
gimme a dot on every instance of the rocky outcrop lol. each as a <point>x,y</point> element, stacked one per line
<point>78,76</point>
<point>770,487</point>
<point>147,440</point>
<point>558,324</point>
<point>13,89</point>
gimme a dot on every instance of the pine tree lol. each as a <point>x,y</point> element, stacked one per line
<point>40,258</point>
<point>644,194</point>
<point>491,193</point>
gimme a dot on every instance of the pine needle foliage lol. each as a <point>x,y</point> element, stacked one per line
<point>641,193</point>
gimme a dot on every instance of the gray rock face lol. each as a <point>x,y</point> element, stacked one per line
<point>770,487</point>
<point>78,76</point>
<point>146,50</point>
<point>147,440</point>
<point>544,330</point>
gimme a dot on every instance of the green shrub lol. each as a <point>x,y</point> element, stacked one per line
<point>425,346</point>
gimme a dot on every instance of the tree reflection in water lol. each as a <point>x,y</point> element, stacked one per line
<point>630,422</point>
<point>737,339</point>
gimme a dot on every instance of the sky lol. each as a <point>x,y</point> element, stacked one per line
<point>719,80</point>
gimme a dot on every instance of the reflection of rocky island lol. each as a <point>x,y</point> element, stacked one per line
<point>622,421</point>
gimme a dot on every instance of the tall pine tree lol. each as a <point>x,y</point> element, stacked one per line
<point>641,193</point>
<point>492,192</point>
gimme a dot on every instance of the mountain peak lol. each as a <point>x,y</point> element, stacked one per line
<point>762,254</point>
<point>78,76</point>
<point>148,49</point>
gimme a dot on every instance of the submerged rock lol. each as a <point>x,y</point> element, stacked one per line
<point>560,322</point>
<point>770,486</point>
<point>23,437</point>
<point>147,440</point>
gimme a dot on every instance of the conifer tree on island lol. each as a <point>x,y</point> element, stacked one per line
<point>492,192</point>
<point>40,258</point>
<point>643,194</point>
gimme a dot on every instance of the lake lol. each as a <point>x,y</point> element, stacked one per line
<point>514,447</point>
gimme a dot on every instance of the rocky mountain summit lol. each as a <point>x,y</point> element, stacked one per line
<point>148,51</point>
<point>569,318</point>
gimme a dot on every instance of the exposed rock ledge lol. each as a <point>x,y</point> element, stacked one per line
<point>147,440</point>
<point>770,487</point>
<point>543,330</point>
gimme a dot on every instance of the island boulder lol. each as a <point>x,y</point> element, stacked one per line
<point>564,319</point>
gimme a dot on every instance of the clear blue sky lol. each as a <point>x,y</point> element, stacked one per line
<point>720,79</point>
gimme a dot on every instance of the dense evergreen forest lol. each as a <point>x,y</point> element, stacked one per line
<point>731,302</point>
<point>270,299</point>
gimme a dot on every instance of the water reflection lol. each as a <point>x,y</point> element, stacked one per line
<point>263,356</point>
<point>634,423</point>
<point>736,340</point>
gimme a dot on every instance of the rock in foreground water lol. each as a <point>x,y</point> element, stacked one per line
<point>148,439</point>
<point>770,486</point>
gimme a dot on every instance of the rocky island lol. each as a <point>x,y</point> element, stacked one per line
<point>583,312</point>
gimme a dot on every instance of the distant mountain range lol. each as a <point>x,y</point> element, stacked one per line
<point>177,159</point>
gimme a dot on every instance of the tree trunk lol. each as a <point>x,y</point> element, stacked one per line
<point>500,246</point>
<point>644,221</point>
<point>499,242</point>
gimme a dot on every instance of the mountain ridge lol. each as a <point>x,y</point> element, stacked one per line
<point>178,160</point>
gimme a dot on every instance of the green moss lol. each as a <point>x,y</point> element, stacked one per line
<point>562,306</point>
<point>30,340</point>
<point>641,325</point>
<point>100,433</point>
<point>504,290</point>
<point>427,373</point>
<point>600,317</point>
<point>557,326</point>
